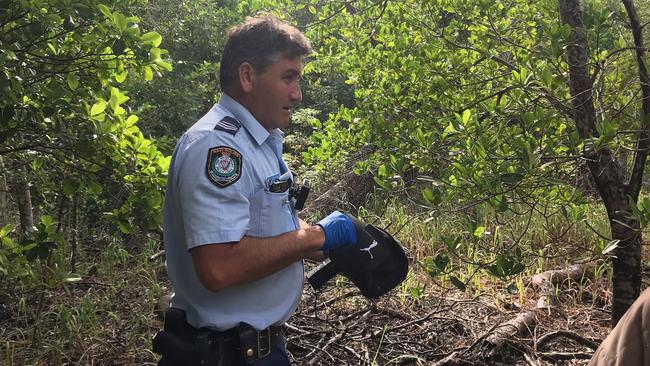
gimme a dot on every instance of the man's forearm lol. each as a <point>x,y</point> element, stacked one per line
<point>220,266</point>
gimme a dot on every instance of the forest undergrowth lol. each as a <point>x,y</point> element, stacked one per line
<point>109,316</point>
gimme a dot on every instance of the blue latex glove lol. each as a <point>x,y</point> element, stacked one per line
<point>339,231</point>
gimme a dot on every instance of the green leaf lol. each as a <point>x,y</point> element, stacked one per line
<point>95,188</point>
<point>165,65</point>
<point>432,196</point>
<point>437,265</point>
<point>124,227</point>
<point>154,53</point>
<point>427,194</point>
<point>148,73</point>
<point>381,183</point>
<point>51,47</point>
<point>131,120</point>
<point>381,171</point>
<point>610,246</point>
<point>120,21</point>
<point>47,220</point>
<point>466,116</point>
<point>6,241</point>
<point>121,76</point>
<point>496,270</point>
<point>644,205</point>
<point>71,186</point>
<point>113,102</point>
<point>480,230</point>
<point>5,230</point>
<point>105,10</point>
<point>153,38</point>
<point>448,130</point>
<point>457,283</point>
<point>511,178</point>
<point>72,80</point>
<point>98,108</point>
<point>118,47</point>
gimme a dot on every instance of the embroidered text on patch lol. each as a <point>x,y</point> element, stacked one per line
<point>224,165</point>
<point>228,124</point>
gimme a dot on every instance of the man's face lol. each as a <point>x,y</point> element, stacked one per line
<point>275,90</point>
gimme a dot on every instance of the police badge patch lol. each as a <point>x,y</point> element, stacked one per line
<point>224,165</point>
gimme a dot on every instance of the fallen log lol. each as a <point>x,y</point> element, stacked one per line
<point>505,332</point>
<point>548,282</point>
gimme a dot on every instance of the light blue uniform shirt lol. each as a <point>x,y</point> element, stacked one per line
<point>198,212</point>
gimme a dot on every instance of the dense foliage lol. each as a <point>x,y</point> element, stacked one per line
<point>194,33</point>
<point>475,98</point>
<point>64,118</point>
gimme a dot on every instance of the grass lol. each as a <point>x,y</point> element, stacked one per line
<point>106,317</point>
<point>545,243</point>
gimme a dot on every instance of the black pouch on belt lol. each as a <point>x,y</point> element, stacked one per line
<point>177,341</point>
<point>248,342</point>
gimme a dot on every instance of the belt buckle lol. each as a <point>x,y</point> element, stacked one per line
<point>264,342</point>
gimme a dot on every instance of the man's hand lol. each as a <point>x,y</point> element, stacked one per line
<point>339,231</point>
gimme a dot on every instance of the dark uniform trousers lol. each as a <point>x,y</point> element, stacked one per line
<point>180,344</point>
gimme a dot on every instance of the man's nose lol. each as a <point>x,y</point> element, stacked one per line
<point>295,94</point>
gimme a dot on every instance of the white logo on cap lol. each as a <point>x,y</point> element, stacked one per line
<point>374,244</point>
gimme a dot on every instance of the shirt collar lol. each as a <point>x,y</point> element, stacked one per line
<point>252,125</point>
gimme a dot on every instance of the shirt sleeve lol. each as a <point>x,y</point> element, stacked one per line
<point>214,191</point>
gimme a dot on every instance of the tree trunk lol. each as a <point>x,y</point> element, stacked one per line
<point>23,199</point>
<point>4,219</point>
<point>74,232</point>
<point>626,275</point>
<point>643,142</point>
<point>604,167</point>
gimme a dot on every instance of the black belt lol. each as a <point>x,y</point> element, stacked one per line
<point>184,344</point>
<point>258,344</point>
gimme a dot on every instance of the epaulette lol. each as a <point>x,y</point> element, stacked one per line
<point>229,125</point>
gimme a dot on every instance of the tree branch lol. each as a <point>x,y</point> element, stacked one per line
<point>643,142</point>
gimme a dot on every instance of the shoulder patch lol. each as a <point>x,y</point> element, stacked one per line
<point>229,125</point>
<point>224,165</point>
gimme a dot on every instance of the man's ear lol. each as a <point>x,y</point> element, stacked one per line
<point>246,77</point>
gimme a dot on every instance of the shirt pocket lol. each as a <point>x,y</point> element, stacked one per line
<point>276,217</point>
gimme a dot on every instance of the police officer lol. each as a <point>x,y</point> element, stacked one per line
<point>234,244</point>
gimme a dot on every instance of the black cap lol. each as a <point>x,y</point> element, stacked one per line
<point>376,264</point>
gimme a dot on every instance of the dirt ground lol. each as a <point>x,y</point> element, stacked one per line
<point>338,326</point>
